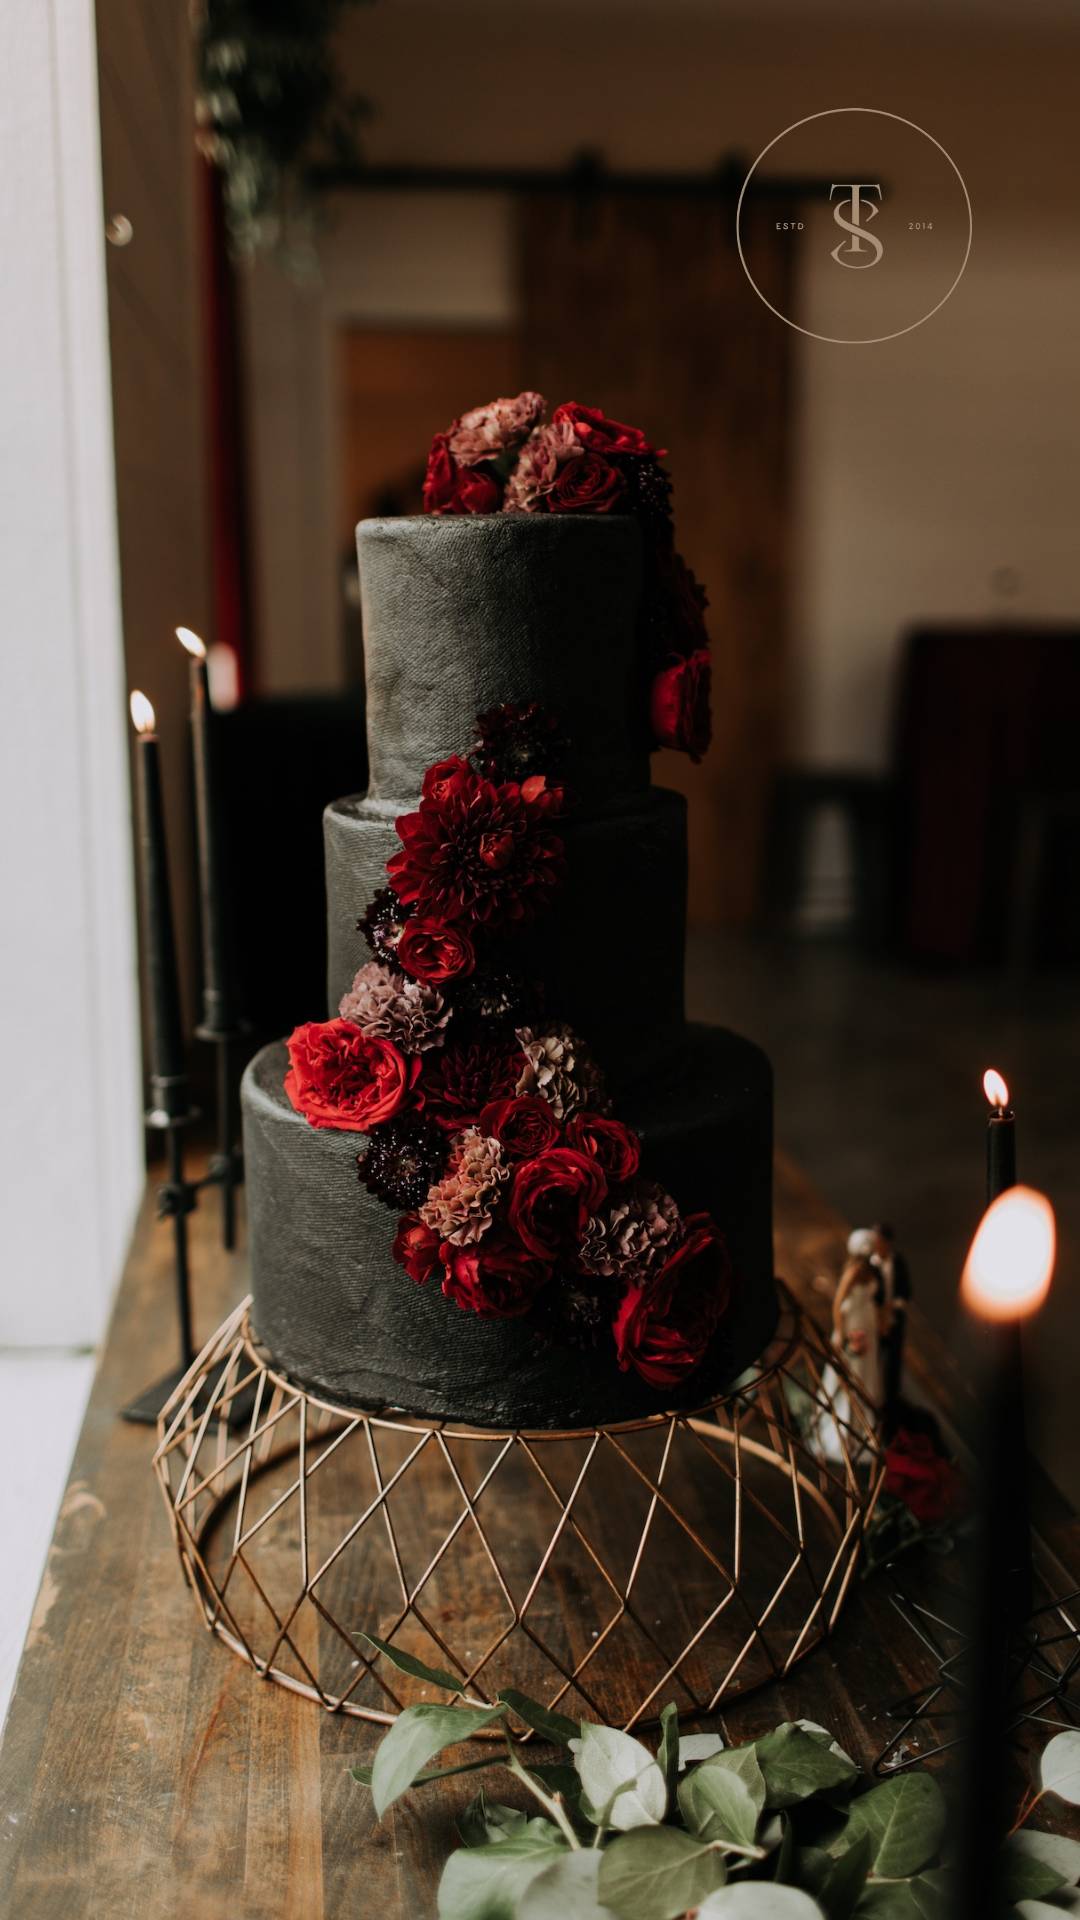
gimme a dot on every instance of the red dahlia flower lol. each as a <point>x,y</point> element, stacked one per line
<point>466,1075</point>
<point>663,1328</point>
<point>340,1077</point>
<point>476,851</point>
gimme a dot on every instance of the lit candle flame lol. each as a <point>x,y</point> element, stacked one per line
<point>142,713</point>
<point>995,1088</point>
<point>192,642</point>
<point>1008,1269</point>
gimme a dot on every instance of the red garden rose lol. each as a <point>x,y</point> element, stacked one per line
<point>679,705</point>
<point>552,1198</point>
<point>917,1474</point>
<point>524,1126</point>
<point>588,485</point>
<point>477,851</point>
<point>596,431</point>
<point>663,1329</point>
<point>416,1248</point>
<point>450,488</point>
<point>498,1278</point>
<point>433,952</point>
<point>341,1077</point>
<point>614,1147</point>
<point>461,1078</point>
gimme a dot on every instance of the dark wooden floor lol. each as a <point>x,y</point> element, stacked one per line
<point>878,1072</point>
<point>147,1772</point>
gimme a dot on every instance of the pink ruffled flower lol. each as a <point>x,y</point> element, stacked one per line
<point>485,432</point>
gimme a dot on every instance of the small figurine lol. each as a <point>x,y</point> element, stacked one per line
<point>857,1315</point>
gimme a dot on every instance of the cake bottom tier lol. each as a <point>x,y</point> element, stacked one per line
<point>340,1316</point>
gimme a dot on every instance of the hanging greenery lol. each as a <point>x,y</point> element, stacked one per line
<point>269,103</point>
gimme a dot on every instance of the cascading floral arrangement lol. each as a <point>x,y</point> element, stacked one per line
<point>504,457</point>
<point>489,1128</point>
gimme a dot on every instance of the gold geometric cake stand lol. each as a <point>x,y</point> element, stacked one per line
<point>604,1571</point>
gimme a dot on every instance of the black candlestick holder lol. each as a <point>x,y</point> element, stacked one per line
<point>226,1169</point>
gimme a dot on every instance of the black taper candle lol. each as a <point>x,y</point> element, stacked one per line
<point>168,1068</point>
<point>218,1015</point>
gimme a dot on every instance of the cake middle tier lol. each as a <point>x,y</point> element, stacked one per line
<point>610,956</point>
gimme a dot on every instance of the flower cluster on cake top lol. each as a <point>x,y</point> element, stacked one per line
<point>505,457</point>
<point>489,1126</point>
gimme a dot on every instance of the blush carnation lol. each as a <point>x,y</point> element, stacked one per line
<point>478,852</point>
<point>545,452</point>
<point>663,1328</point>
<point>632,1238</point>
<point>408,1012</point>
<point>552,1198</point>
<point>559,1068</point>
<point>459,1208</point>
<point>497,427</point>
<point>341,1077</point>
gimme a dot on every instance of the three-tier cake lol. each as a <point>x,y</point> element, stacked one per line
<point>574,989</point>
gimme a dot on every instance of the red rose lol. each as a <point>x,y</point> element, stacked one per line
<point>552,1198</point>
<point>477,851</point>
<point>524,1127</point>
<point>341,1077</point>
<point>497,1278</point>
<point>588,485</point>
<point>595,430</point>
<point>450,488</point>
<point>434,952</point>
<point>416,1248</point>
<point>462,1077</point>
<point>663,1328</point>
<point>917,1474</point>
<point>679,705</point>
<point>614,1147</point>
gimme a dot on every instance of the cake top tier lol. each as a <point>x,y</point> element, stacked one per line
<point>466,612</point>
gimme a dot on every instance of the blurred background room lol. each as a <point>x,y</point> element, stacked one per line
<point>331,228</point>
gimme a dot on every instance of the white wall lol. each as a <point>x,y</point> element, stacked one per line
<point>70,1134</point>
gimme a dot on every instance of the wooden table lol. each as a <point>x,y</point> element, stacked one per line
<point>145,1771</point>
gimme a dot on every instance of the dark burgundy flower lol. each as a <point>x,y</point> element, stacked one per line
<point>922,1478</point>
<point>575,1311</point>
<point>416,1248</point>
<point>479,852</point>
<point>434,952</point>
<point>404,1158</point>
<point>524,1126</point>
<point>463,1077</point>
<point>663,1328</point>
<point>381,923</point>
<point>495,993</point>
<point>601,435</point>
<point>679,706</point>
<point>452,488</point>
<point>591,484</point>
<point>612,1145</point>
<point>552,1198</point>
<point>340,1077</point>
<point>513,742</point>
<point>498,1278</point>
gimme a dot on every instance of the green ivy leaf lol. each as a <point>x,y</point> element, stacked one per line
<point>568,1889</point>
<point>797,1764</point>
<point>743,1762</point>
<point>698,1746</point>
<point>656,1873</point>
<point>905,1819</point>
<point>543,1720</point>
<point>717,1804</point>
<point>415,1737</point>
<point>620,1777</point>
<point>488,1883</point>
<point>487,1823</point>
<point>364,1774</point>
<point>407,1663</point>
<point>667,1758</point>
<point>840,1892</point>
<point>1025,1877</point>
<point>928,1897</point>
<point>758,1900</point>
<point>1059,1769</point>
<point>1053,1849</point>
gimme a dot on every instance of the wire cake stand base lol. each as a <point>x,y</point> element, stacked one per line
<point>686,1556</point>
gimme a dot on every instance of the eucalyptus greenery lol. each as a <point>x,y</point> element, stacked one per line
<point>786,1827</point>
<point>270,102</point>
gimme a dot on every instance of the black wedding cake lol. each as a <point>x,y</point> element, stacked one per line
<point>504,1183</point>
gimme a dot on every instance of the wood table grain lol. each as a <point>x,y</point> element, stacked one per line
<point>146,1772</point>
